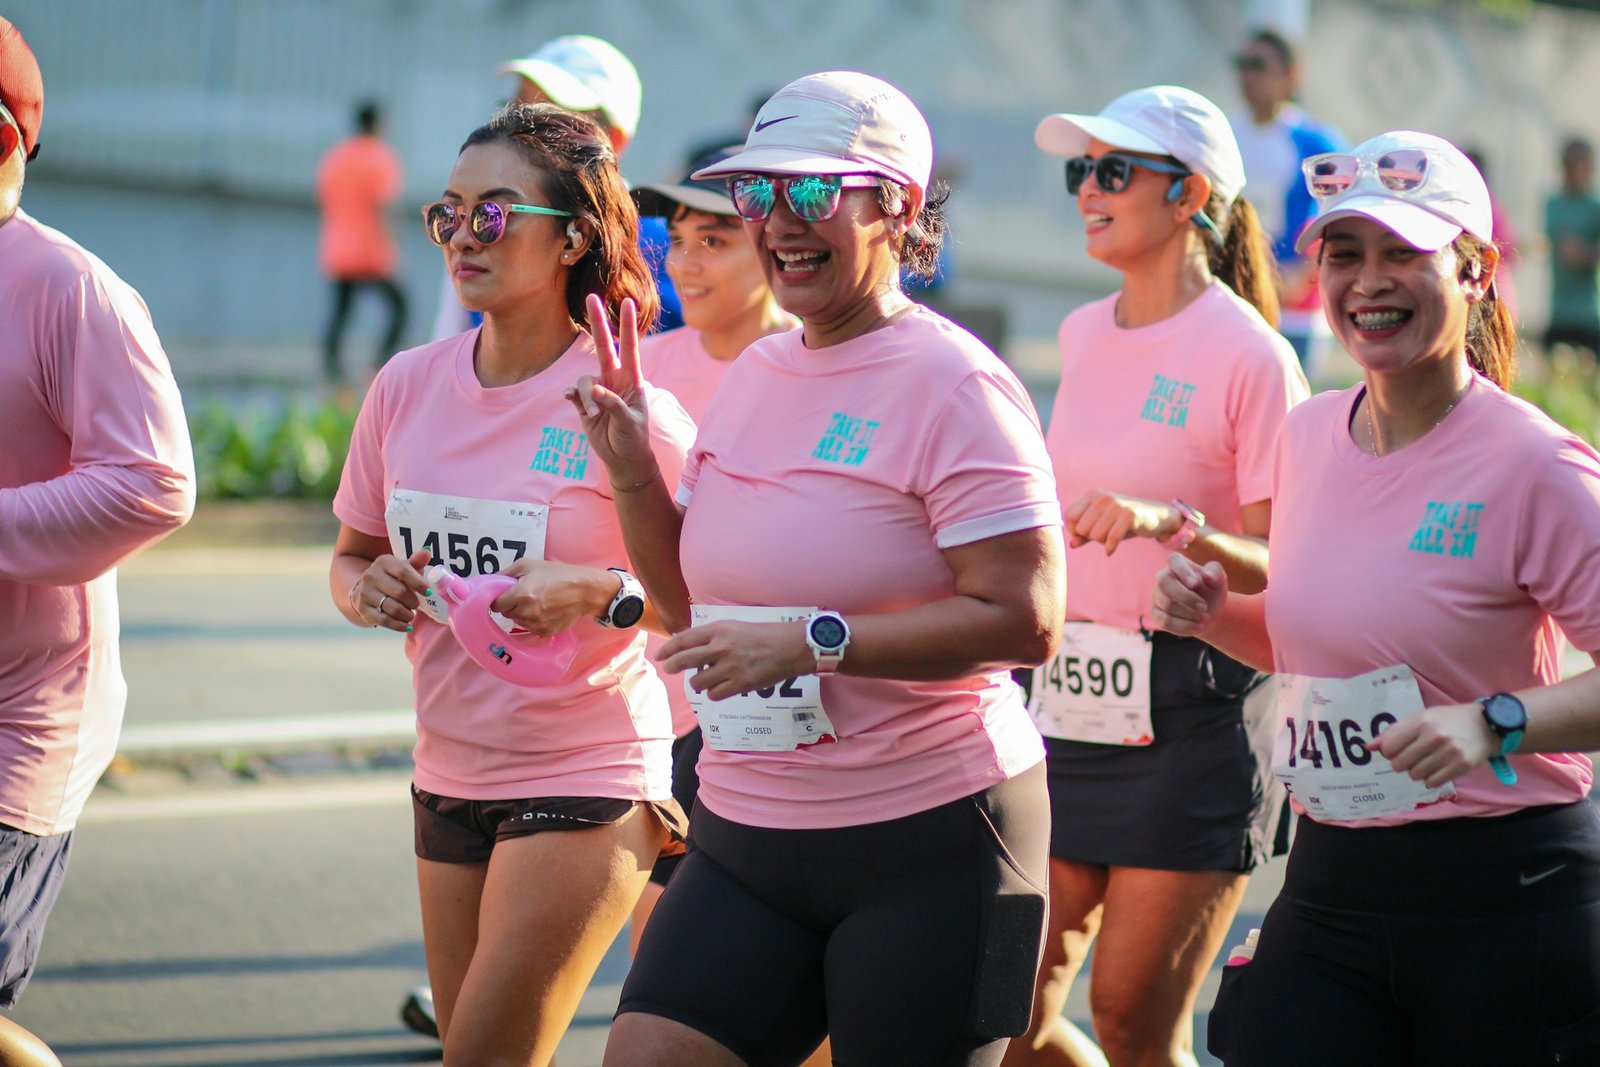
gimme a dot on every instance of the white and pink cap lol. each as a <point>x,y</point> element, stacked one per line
<point>1451,199</point>
<point>836,122</point>
<point>1166,120</point>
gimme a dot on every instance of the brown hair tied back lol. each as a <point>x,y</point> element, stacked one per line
<point>1243,259</point>
<point>1491,334</point>
<point>578,173</point>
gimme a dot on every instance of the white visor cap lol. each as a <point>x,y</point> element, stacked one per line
<point>1166,120</point>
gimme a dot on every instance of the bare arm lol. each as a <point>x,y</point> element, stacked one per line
<point>1010,595</point>
<point>616,421</point>
<point>1446,741</point>
<point>1193,601</point>
<point>1111,518</point>
<point>370,585</point>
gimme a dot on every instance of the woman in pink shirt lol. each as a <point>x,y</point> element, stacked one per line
<point>538,811</point>
<point>727,305</point>
<point>1434,537</point>
<point>1172,391</point>
<point>869,532</point>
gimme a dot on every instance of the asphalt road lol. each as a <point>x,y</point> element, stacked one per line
<point>248,634</point>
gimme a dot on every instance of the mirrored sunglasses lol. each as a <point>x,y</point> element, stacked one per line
<point>1114,170</point>
<point>486,220</point>
<point>812,197</point>
<point>1400,170</point>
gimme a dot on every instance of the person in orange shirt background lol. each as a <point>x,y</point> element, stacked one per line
<point>356,181</point>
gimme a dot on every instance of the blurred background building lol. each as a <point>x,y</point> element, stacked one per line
<point>181,137</point>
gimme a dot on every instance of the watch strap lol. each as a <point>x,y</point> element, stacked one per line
<point>1509,739</point>
<point>629,590</point>
<point>827,659</point>
<point>1184,535</point>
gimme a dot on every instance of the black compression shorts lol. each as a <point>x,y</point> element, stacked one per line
<point>912,941</point>
<point>1468,942</point>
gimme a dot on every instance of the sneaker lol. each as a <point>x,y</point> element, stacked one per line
<point>417,1012</point>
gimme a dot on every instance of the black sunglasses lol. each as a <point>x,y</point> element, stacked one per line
<point>1114,170</point>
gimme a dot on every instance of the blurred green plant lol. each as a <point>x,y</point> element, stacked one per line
<point>284,450</point>
<point>1567,387</point>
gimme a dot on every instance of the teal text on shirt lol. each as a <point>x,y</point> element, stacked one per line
<point>846,440</point>
<point>1449,528</point>
<point>562,452</point>
<point>1168,402</point>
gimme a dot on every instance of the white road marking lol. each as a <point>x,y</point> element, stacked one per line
<point>374,791</point>
<point>355,727</point>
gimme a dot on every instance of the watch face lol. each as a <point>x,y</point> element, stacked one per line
<point>827,632</point>
<point>627,613</point>
<point>1505,713</point>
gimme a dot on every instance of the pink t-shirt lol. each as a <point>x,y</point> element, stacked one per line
<point>1188,407</point>
<point>1458,556</point>
<point>429,426</point>
<point>678,362</point>
<point>96,465</point>
<point>834,478</point>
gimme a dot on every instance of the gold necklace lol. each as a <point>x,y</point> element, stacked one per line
<point>1372,427</point>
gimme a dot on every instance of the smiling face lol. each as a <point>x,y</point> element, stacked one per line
<point>525,263</point>
<point>1124,228</point>
<point>715,269</point>
<point>827,272</point>
<point>1391,305</point>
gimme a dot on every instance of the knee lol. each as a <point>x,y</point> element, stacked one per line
<point>1128,1030</point>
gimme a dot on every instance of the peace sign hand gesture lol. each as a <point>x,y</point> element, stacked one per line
<point>615,417</point>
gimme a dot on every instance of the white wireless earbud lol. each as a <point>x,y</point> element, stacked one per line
<point>574,235</point>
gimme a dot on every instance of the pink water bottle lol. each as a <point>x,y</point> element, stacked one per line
<point>526,660</point>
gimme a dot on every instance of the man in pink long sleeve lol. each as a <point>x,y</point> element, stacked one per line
<point>95,465</point>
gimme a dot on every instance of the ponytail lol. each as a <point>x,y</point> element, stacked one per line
<point>1242,258</point>
<point>1491,334</point>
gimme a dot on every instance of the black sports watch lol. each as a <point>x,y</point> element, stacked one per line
<point>1508,718</point>
<point>627,607</point>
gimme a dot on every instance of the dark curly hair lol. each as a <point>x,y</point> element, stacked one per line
<point>920,246</point>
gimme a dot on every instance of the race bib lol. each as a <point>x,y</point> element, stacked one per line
<point>1323,750</point>
<point>467,535</point>
<point>1095,688</point>
<point>779,718</point>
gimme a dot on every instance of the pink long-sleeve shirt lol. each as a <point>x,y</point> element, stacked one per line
<point>96,465</point>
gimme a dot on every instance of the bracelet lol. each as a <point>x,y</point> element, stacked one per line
<point>355,605</point>
<point>636,486</point>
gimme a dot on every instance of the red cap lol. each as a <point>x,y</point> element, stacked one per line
<point>21,84</point>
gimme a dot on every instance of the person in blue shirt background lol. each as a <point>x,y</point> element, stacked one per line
<point>1274,137</point>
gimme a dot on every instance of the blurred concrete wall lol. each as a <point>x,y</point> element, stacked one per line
<point>181,136</point>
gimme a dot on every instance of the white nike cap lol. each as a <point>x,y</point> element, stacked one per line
<point>836,122</point>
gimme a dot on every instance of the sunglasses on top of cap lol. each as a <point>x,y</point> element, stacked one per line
<point>812,197</point>
<point>486,220</point>
<point>1114,170</point>
<point>1399,170</point>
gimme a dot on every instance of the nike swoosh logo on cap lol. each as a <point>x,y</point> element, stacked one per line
<point>1525,880</point>
<point>772,122</point>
